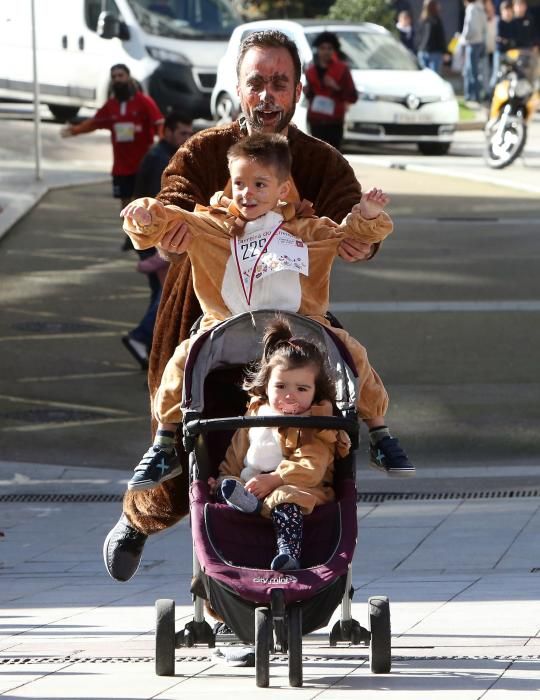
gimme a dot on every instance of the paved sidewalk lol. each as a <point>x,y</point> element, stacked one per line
<point>462,575</point>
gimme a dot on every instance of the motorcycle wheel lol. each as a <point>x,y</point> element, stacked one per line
<point>504,146</point>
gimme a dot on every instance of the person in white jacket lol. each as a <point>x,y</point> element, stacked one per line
<point>474,36</point>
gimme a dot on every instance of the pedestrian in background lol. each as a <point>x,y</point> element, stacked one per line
<point>329,89</point>
<point>432,44</point>
<point>491,42</point>
<point>406,32</point>
<point>133,119</point>
<point>473,37</point>
<point>177,129</point>
<point>527,33</point>
<point>505,38</point>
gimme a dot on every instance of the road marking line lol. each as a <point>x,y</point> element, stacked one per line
<point>95,375</point>
<point>70,424</point>
<point>525,305</point>
<point>64,404</point>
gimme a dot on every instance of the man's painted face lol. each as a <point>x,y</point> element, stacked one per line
<point>267,89</point>
<point>256,188</point>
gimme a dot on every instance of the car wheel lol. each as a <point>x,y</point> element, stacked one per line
<point>226,112</point>
<point>429,148</point>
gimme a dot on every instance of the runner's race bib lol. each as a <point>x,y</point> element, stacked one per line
<point>124,132</point>
<point>323,105</point>
<point>265,252</point>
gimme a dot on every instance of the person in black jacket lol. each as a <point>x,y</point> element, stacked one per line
<point>176,129</point>
<point>431,38</point>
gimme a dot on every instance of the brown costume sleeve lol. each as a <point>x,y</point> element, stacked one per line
<point>307,464</point>
<point>233,462</point>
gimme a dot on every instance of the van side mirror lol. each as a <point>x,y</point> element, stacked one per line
<point>108,26</point>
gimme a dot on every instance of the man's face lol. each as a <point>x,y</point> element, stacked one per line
<point>267,89</point>
<point>178,135</point>
<point>256,188</point>
<point>325,51</point>
<point>119,77</point>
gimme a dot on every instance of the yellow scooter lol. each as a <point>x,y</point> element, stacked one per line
<point>515,99</point>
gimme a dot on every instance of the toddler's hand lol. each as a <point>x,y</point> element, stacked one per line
<point>139,215</point>
<point>65,131</point>
<point>213,485</point>
<point>372,203</point>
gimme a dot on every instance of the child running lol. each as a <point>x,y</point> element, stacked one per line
<point>283,473</point>
<point>256,251</point>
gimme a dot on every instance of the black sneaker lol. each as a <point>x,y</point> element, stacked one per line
<point>157,465</point>
<point>122,550</point>
<point>388,456</point>
<point>137,349</point>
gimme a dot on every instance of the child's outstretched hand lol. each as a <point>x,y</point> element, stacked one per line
<point>139,215</point>
<point>212,485</point>
<point>372,203</point>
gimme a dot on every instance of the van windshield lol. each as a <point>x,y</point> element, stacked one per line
<point>185,19</point>
<point>370,51</point>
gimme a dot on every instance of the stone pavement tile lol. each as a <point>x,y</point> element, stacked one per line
<point>121,681</point>
<point>415,679</point>
<point>18,677</point>
<point>521,680</point>
<point>474,537</point>
<point>525,550</point>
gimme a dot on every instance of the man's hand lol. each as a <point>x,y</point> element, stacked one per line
<point>264,484</point>
<point>65,131</point>
<point>176,240</point>
<point>139,215</point>
<point>352,250</point>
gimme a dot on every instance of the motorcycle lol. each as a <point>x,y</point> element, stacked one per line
<point>515,99</point>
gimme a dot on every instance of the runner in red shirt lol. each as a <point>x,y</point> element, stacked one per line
<point>133,119</point>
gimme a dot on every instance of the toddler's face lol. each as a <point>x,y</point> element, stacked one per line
<point>256,188</point>
<point>291,391</point>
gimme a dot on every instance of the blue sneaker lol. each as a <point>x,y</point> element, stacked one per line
<point>157,465</point>
<point>388,456</point>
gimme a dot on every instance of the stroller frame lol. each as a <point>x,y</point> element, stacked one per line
<point>272,616</point>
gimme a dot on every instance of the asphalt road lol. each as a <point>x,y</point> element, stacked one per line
<point>448,311</point>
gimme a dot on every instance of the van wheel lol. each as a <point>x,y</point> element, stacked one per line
<point>226,112</point>
<point>62,113</point>
<point>431,148</point>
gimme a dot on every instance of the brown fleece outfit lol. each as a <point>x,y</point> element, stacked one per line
<point>198,170</point>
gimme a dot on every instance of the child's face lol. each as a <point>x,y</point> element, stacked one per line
<point>507,13</point>
<point>291,391</point>
<point>256,189</point>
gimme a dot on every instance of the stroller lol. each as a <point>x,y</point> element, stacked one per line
<point>271,610</point>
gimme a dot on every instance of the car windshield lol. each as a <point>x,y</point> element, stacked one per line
<point>186,19</point>
<point>368,51</point>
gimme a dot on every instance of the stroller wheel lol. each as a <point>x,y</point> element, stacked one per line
<point>165,637</point>
<point>380,645</point>
<point>294,625</point>
<point>262,647</point>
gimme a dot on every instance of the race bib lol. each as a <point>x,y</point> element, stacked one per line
<point>323,105</point>
<point>264,252</point>
<point>124,132</point>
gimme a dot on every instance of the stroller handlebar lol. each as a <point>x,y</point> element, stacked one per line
<point>210,425</point>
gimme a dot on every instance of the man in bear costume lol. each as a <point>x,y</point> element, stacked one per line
<point>269,71</point>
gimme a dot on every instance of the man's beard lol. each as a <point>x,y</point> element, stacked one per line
<point>256,123</point>
<point>122,91</point>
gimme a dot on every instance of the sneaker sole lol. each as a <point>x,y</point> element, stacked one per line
<point>149,484</point>
<point>106,562</point>
<point>394,473</point>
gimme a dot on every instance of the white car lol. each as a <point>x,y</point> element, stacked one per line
<point>398,101</point>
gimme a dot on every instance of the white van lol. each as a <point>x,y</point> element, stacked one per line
<point>172,47</point>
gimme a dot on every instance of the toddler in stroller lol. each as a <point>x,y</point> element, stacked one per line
<point>233,549</point>
<point>286,472</point>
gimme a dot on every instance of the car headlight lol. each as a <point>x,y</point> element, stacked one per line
<point>170,56</point>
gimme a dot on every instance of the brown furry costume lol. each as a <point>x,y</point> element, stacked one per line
<point>198,169</point>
